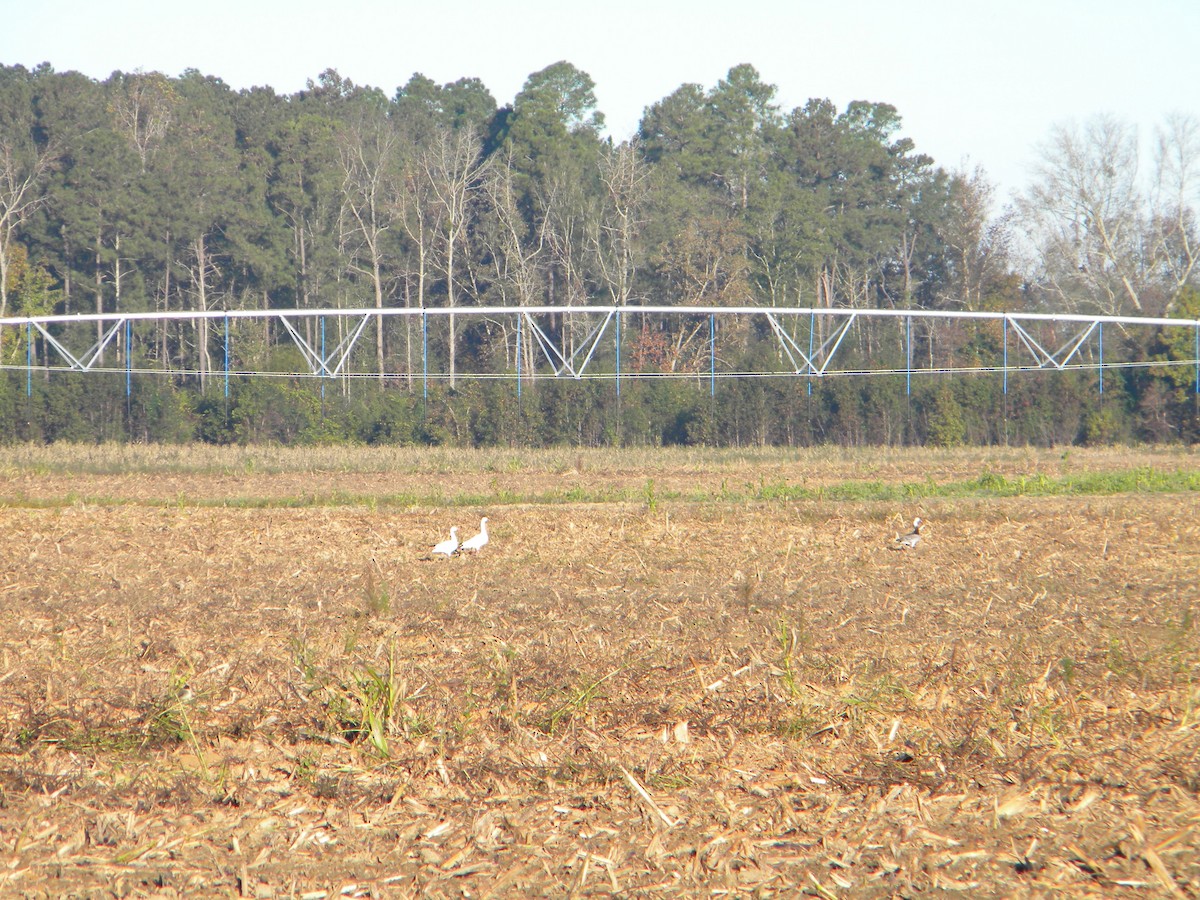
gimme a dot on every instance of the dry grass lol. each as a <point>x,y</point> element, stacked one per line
<point>408,476</point>
<point>636,698</point>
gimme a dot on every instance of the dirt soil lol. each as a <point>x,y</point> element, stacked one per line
<point>641,699</point>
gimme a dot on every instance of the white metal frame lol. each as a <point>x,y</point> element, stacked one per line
<point>814,361</point>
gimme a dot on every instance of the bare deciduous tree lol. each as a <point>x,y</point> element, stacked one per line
<point>614,239</point>
<point>515,252</point>
<point>1109,239</point>
<point>1176,244</point>
<point>1085,217</point>
<point>142,107</point>
<point>454,168</point>
<point>371,186</point>
<point>22,171</point>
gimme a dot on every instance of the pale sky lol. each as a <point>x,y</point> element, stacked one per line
<point>976,84</point>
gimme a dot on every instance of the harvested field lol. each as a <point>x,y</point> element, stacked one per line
<point>668,674</point>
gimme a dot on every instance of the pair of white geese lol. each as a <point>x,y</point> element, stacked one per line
<point>450,546</point>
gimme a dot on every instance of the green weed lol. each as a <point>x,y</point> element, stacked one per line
<point>789,639</point>
<point>648,495</point>
<point>371,706</point>
<point>574,702</point>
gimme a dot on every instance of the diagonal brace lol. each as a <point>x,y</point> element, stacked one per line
<point>342,351</point>
<point>316,365</point>
<point>790,347</point>
<point>1046,358</point>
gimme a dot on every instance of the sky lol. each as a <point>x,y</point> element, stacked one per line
<point>977,84</point>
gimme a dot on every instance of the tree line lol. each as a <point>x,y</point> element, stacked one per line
<point>144,192</point>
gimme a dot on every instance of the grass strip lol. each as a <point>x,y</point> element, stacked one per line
<point>1141,480</point>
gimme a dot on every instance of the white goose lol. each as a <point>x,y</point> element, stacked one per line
<point>449,546</point>
<point>479,541</point>
<point>910,540</point>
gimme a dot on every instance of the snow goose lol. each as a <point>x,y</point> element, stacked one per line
<point>449,546</point>
<point>910,540</point>
<point>477,543</point>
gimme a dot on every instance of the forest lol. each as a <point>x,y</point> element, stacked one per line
<point>150,193</point>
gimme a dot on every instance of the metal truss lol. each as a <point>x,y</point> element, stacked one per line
<point>811,342</point>
<point>86,360</point>
<point>571,364</point>
<point>824,354</point>
<point>319,362</point>
<point>1060,358</point>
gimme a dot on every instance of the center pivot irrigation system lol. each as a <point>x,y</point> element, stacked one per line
<point>578,342</point>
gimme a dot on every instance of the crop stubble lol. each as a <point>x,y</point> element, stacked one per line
<point>645,698</point>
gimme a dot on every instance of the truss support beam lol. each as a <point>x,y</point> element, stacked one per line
<point>810,349</point>
<point>326,365</point>
<point>1061,357</point>
<point>559,363</point>
<point>792,349</point>
<point>84,362</point>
